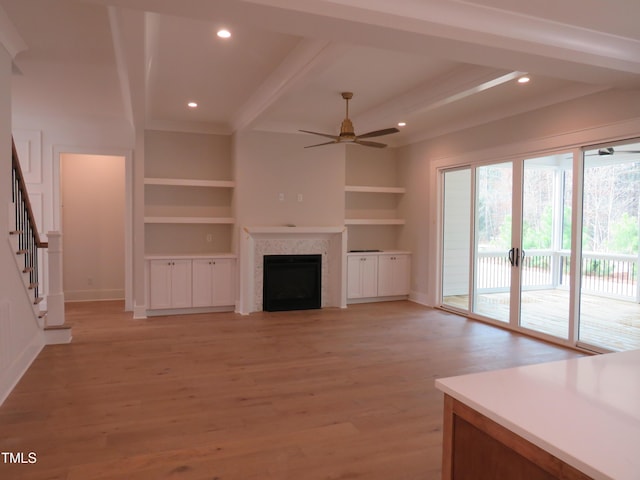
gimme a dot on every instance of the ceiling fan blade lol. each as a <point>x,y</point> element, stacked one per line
<point>334,137</point>
<point>366,143</point>
<point>320,144</point>
<point>379,133</point>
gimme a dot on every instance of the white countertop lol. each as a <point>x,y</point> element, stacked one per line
<point>168,256</point>
<point>585,411</point>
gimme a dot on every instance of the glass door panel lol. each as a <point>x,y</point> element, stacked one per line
<point>546,244</point>
<point>609,296</point>
<point>456,238</point>
<point>493,214</point>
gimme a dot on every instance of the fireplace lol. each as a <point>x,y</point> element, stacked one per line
<point>292,282</point>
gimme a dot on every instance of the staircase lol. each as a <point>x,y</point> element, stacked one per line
<point>30,254</point>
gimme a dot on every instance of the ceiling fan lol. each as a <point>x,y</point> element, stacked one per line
<point>347,133</point>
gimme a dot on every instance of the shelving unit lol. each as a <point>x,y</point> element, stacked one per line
<point>372,196</point>
<point>374,221</point>
<point>188,194</point>
<point>184,182</point>
<point>373,189</point>
<point>189,222</point>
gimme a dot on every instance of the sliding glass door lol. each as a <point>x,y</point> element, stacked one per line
<point>545,250</point>
<point>609,293</point>
<point>456,238</point>
<point>493,254</point>
<point>508,231</point>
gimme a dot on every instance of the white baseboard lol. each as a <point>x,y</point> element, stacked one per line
<point>419,297</point>
<point>91,295</point>
<point>10,377</point>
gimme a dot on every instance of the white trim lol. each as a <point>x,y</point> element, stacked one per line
<point>548,144</point>
<point>10,377</point>
<point>57,151</point>
<point>9,36</point>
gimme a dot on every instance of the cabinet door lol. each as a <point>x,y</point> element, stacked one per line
<point>180,283</point>
<point>224,282</point>
<point>393,275</point>
<point>370,276</point>
<point>160,284</point>
<point>354,277</point>
<point>202,282</point>
<point>362,276</point>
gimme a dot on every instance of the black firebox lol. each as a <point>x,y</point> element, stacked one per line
<point>292,282</point>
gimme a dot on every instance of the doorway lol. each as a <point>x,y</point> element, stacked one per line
<point>93,213</point>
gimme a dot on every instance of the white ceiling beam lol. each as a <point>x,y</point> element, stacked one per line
<point>127,31</point>
<point>456,85</point>
<point>307,57</point>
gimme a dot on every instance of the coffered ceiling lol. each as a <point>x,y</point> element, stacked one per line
<point>439,65</point>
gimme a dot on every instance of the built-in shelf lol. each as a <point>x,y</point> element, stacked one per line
<point>190,220</point>
<point>183,182</point>
<point>372,189</point>
<point>374,221</point>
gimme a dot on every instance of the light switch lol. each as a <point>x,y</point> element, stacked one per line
<point>299,197</point>
<point>281,197</point>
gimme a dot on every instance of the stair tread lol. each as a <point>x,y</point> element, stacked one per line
<point>58,327</point>
<point>42,314</point>
<point>32,285</point>
<point>37,300</point>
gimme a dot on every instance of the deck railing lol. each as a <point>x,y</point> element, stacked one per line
<point>602,273</point>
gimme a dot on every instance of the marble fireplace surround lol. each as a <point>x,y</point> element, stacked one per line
<point>256,242</point>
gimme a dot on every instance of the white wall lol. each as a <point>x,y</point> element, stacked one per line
<point>605,116</point>
<point>268,165</point>
<point>93,226</point>
<point>20,337</point>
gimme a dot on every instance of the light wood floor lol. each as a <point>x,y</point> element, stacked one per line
<point>325,394</point>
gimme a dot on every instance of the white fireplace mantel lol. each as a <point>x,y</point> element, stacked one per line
<point>257,241</point>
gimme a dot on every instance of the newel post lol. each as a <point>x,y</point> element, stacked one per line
<point>55,298</point>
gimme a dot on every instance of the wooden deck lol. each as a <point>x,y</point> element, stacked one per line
<point>605,322</point>
<point>313,395</point>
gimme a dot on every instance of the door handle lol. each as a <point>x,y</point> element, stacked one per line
<point>511,260</point>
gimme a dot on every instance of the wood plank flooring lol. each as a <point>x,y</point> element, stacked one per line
<point>310,395</point>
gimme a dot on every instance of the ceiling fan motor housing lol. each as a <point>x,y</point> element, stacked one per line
<point>346,130</point>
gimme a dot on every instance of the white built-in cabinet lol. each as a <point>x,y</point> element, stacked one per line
<point>362,276</point>
<point>377,276</point>
<point>393,274</point>
<point>213,282</point>
<point>191,283</point>
<point>170,283</point>
<point>189,222</point>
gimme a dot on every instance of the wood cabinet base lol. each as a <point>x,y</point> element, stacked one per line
<point>477,448</point>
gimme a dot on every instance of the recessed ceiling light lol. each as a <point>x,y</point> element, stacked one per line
<point>402,124</point>
<point>523,80</point>
<point>192,104</point>
<point>224,33</point>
